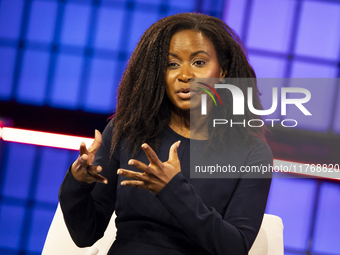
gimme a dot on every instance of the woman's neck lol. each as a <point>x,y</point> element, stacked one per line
<point>189,125</point>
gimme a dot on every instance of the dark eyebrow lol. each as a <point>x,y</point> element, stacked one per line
<point>198,52</point>
<point>191,55</point>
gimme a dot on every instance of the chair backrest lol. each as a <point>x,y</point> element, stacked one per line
<point>269,240</point>
<point>58,241</point>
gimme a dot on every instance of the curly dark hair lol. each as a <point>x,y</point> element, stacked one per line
<point>143,109</point>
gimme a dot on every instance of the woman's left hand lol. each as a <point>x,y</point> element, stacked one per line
<point>155,175</point>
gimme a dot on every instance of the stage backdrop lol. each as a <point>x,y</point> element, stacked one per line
<point>70,55</point>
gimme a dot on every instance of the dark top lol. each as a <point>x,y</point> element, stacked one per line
<point>188,216</point>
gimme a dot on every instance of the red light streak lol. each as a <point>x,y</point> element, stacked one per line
<point>43,138</point>
<point>73,142</point>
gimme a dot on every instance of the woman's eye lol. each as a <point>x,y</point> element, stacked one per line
<point>199,62</point>
<point>172,64</point>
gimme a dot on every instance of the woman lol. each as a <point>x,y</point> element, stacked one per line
<point>143,158</point>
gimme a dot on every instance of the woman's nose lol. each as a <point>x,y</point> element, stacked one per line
<point>185,74</point>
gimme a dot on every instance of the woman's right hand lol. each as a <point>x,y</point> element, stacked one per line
<point>82,169</point>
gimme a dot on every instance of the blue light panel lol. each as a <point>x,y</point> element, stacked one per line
<point>140,22</point>
<point>4,251</point>
<point>178,8</point>
<point>149,1</point>
<point>322,90</point>
<point>40,223</point>
<point>10,18</point>
<point>18,170</point>
<point>188,4</point>
<point>29,195</point>
<point>101,92</point>
<point>76,23</point>
<point>42,21</point>
<point>336,124</point>
<point>11,221</point>
<point>327,228</point>
<point>6,71</point>
<point>52,168</point>
<point>319,30</point>
<point>211,7</point>
<point>32,83</point>
<point>267,67</point>
<point>266,86</point>
<point>270,25</point>
<point>313,70</point>
<point>109,29</point>
<point>66,85</point>
<point>234,14</point>
<point>109,2</point>
<point>292,200</point>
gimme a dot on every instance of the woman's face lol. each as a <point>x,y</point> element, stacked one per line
<point>191,55</point>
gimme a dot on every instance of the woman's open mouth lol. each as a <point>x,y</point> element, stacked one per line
<point>185,93</point>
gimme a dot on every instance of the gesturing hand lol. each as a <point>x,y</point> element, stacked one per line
<point>155,175</point>
<point>82,169</point>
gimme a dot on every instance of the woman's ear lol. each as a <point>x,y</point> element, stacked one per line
<point>224,69</point>
<point>223,73</point>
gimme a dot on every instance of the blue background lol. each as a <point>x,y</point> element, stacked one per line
<point>71,55</point>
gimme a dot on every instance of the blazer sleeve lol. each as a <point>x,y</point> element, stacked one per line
<point>231,233</point>
<point>87,208</point>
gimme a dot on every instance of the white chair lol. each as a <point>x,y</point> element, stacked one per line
<point>58,241</point>
<point>269,240</point>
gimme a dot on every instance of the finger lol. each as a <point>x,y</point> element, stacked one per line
<point>82,161</point>
<point>96,143</point>
<point>93,171</point>
<point>82,149</point>
<point>141,166</point>
<point>99,178</point>
<point>138,184</point>
<point>151,155</point>
<point>133,175</point>
<point>173,153</point>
